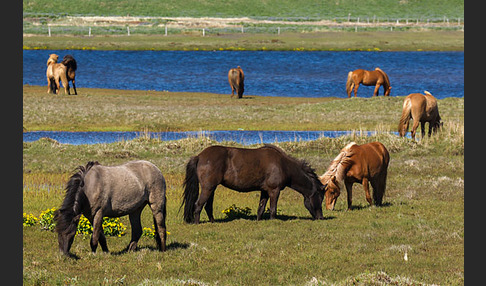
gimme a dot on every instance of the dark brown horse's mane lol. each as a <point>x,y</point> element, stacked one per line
<point>306,167</point>
<point>69,62</point>
<point>66,216</point>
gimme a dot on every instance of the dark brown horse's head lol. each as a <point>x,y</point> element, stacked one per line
<point>331,191</point>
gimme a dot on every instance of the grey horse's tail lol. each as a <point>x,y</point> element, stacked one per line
<point>191,189</point>
<point>67,216</point>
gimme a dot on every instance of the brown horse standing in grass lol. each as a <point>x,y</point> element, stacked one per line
<point>421,108</point>
<point>55,72</point>
<point>377,78</point>
<point>367,163</point>
<point>266,169</point>
<point>236,79</point>
<point>71,67</point>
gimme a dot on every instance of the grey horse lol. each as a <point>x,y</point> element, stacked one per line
<point>98,191</point>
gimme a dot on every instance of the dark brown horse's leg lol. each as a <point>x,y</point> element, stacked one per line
<point>349,190</point>
<point>203,198</point>
<point>422,128</point>
<point>209,207</point>
<point>74,86</point>
<point>273,195</point>
<point>262,204</point>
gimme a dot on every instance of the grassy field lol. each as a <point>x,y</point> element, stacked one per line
<point>135,110</point>
<point>303,9</point>
<point>316,41</point>
<point>423,214</point>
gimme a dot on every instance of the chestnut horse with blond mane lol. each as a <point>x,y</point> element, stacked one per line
<point>367,163</point>
<point>236,79</point>
<point>421,108</point>
<point>376,77</point>
<point>54,72</point>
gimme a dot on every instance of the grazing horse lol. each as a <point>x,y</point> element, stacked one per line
<point>236,79</point>
<point>266,169</point>
<point>377,78</point>
<point>357,164</point>
<point>54,72</point>
<point>71,67</point>
<point>97,191</point>
<point>421,108</point>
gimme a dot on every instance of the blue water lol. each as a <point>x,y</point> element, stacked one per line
<point>292,74</point>
<point>239,136</point>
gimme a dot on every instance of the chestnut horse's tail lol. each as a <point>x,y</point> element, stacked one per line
<point>405,118</point>
<point>191,189</point>
<point>349,83</point>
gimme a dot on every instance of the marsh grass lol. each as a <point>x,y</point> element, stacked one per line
<point>423,215</point>
<point>136,110</point>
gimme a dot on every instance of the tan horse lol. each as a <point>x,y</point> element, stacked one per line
<point>367,163</point>
<point>55,72</point>
<point>421,108</point>
<point>377,78</point>
<point>236,79</point>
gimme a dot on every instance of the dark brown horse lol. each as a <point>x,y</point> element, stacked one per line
<point>266,169</point>
<point>377,78</point>
<point>236,79</point>
<point>71,67</point>
<point>422,108</point>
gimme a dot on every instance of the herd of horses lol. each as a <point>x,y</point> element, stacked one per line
<point>98,191</point>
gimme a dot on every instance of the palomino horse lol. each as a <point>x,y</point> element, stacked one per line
<point>97,191</point>
<point>71,67</point>
<point>421,108</point>
<point>377,78</point>
<point>266,169</point>
<point>357,164</point>
<point>236,79</point>
<point>54,72</point>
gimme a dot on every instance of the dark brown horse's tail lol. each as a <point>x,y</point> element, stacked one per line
<point>349,83</point>
<point>191,189</point>
<point>67,216</point>
<point>405,118</point>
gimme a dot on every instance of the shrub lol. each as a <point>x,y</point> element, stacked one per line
<point>236,212</point>
<point>29,219</point>
<point>46,219</point>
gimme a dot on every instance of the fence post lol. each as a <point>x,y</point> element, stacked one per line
<point>89,32</point>
<point>165,29</point>
<point>204,32</point>
<point>49,30</point>
<point>278,30</point>
<point>128,31</point>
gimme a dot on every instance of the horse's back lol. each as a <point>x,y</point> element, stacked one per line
<point>370,159</point>
<point>118,189</point>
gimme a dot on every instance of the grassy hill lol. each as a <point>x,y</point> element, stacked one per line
<point>277,9</point>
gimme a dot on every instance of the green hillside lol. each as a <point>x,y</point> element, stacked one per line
<point>276,9</point>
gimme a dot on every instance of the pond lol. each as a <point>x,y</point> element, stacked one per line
<point>240,136</point>
<point>275,73</point>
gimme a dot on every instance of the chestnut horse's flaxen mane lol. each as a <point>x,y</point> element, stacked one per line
<point>337,168</point>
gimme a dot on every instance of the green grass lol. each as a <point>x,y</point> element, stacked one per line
<point>423,215</point>
<point>304,9</point>
<point>129,110</point>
